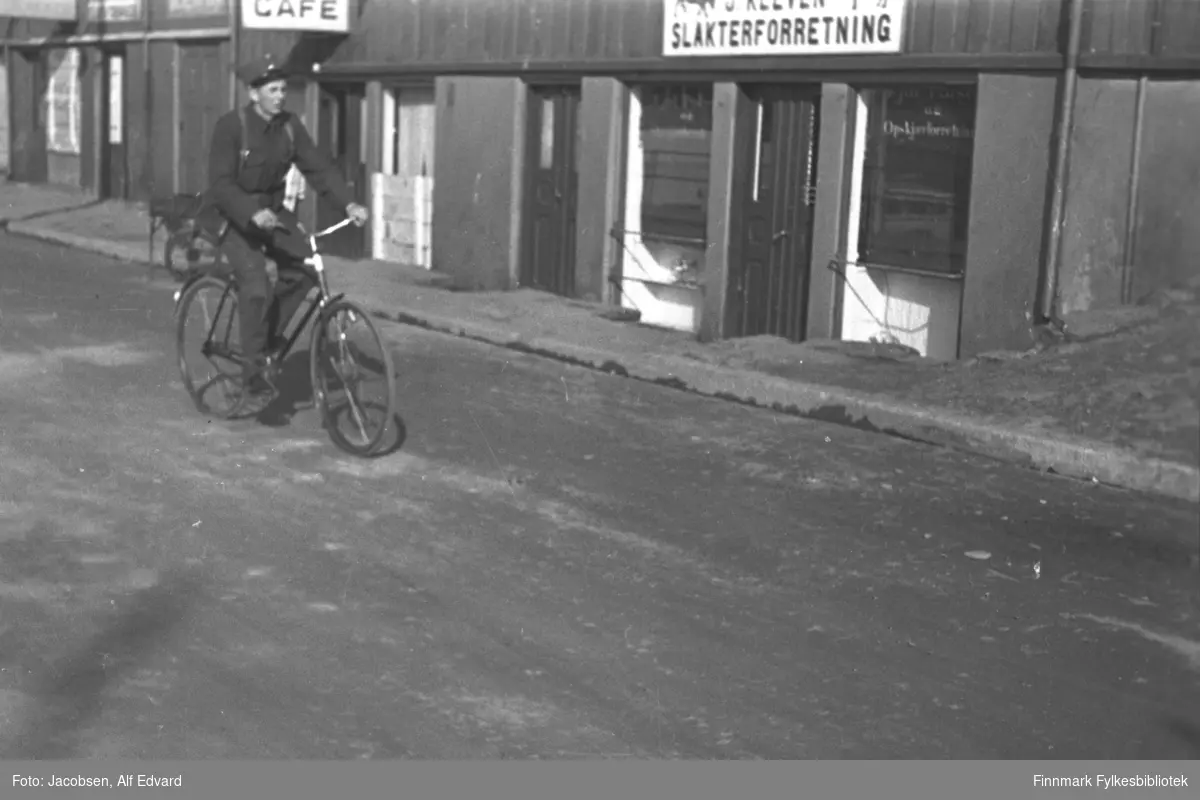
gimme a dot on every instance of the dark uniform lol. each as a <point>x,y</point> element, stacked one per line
<point>238,194</point>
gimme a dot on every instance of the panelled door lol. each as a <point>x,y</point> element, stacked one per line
<point>548,252</point>
<point>340,134</point>
<point>203,98</point>
<point>768,289</point>
<point>27,80</point>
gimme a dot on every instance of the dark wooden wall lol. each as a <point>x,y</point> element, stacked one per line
<point>984,26</point>
<point>1010,176</point>
<point>609,36</point>
<point>138,112</point>
<point>517,34</point>
<point>1158,28</point>
<point>1097,194</point>
<point>1167,236</point>
<point>475,197</point>
<point>27,120</point>
<point>488,31</point>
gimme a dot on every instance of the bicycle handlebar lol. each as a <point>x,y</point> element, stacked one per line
<point>333,228</point>
<point>337,226</point>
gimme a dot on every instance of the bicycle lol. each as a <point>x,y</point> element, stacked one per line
<point>330,346</point>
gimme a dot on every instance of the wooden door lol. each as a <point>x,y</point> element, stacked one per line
<point>340,133</point>
<point>769,286</point>
<point>203,97</point>
<point>27,81</point>
<point>548,253</point>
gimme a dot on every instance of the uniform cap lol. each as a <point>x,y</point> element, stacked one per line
<point>261,70</point>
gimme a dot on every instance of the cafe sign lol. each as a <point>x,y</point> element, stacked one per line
<point>316,16</point>
<point>781,27</point>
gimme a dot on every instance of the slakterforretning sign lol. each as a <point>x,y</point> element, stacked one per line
<point>781,27</point>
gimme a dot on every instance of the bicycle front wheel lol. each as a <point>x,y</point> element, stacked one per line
<point>209,346</point>
<point>353,378</point>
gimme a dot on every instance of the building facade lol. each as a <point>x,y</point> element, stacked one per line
<point>860,169</point>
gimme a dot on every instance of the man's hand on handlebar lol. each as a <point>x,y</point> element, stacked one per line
<point>265,218</point>
<point>358,213</point>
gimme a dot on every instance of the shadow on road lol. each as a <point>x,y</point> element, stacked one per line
<point>294,393</point>
<point>70,695</point>
<point>294,387</point>
<point>1186,733</point>
<point>397,434</point>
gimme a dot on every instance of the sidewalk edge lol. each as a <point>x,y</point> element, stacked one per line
<point>1079,458</point>
<point>1075,457</point>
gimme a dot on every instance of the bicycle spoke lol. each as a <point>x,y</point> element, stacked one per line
<point>204,307</point>
<point>218,377</point>
<point>206,364</point>
<point>350,400</point>
<point>346,345</point>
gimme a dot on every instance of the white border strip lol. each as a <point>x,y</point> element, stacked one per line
<point>120,36</point>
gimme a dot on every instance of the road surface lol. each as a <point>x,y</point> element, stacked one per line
<point>556,564</point>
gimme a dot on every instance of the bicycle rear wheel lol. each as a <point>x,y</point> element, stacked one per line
<point>353,378</point>
<point>209,346</point>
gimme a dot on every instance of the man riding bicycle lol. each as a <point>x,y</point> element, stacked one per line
<point>252,151</point>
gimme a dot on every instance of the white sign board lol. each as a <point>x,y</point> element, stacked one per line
<point>39,9</point>
<point>781,27</point>
<point>322,16</point>
<point>197,8</point>
<point>114,10</point>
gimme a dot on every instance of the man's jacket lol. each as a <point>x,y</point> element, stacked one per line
<point>248,174</point>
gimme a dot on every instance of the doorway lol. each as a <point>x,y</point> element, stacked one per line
<point>202,100</point>
<point>114,172</point>
<point>548,252</point>
<point>768,286</point>
<point>28,83</point>
<point>341,133</point>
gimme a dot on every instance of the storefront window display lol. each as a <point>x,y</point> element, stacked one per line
<point>908,223</point>
<point>917,177</point>
<point>63,102</point>
<point>666,201</point>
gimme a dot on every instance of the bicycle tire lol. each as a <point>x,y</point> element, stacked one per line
<point>321,396</point>
<point>227,295</point>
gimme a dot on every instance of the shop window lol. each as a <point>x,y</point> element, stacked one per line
<point>408,120</point>
<point>62,100</point>
<point>916,177</point>
<point>666,209</point>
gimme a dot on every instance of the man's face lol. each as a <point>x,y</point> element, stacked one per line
<point>270,96</point>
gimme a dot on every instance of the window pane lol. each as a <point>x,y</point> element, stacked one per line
<point>116,98</point>
<point>675,138</point>
<point>766,149</point>
<point>547,157</point>
<point>917,177</point>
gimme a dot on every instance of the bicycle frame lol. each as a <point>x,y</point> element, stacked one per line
<point>316,261</point>
<point>323,299</point>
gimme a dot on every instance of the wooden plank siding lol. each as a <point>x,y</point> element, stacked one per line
<point>520,33</point>
<point>507,35</point>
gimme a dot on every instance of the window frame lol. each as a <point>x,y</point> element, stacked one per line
<point>949,259</point>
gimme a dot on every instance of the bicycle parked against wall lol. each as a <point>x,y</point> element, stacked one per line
<point>345,349</point>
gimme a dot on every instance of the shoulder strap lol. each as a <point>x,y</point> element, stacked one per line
<point>242,149</point>
<point>290,128</point>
